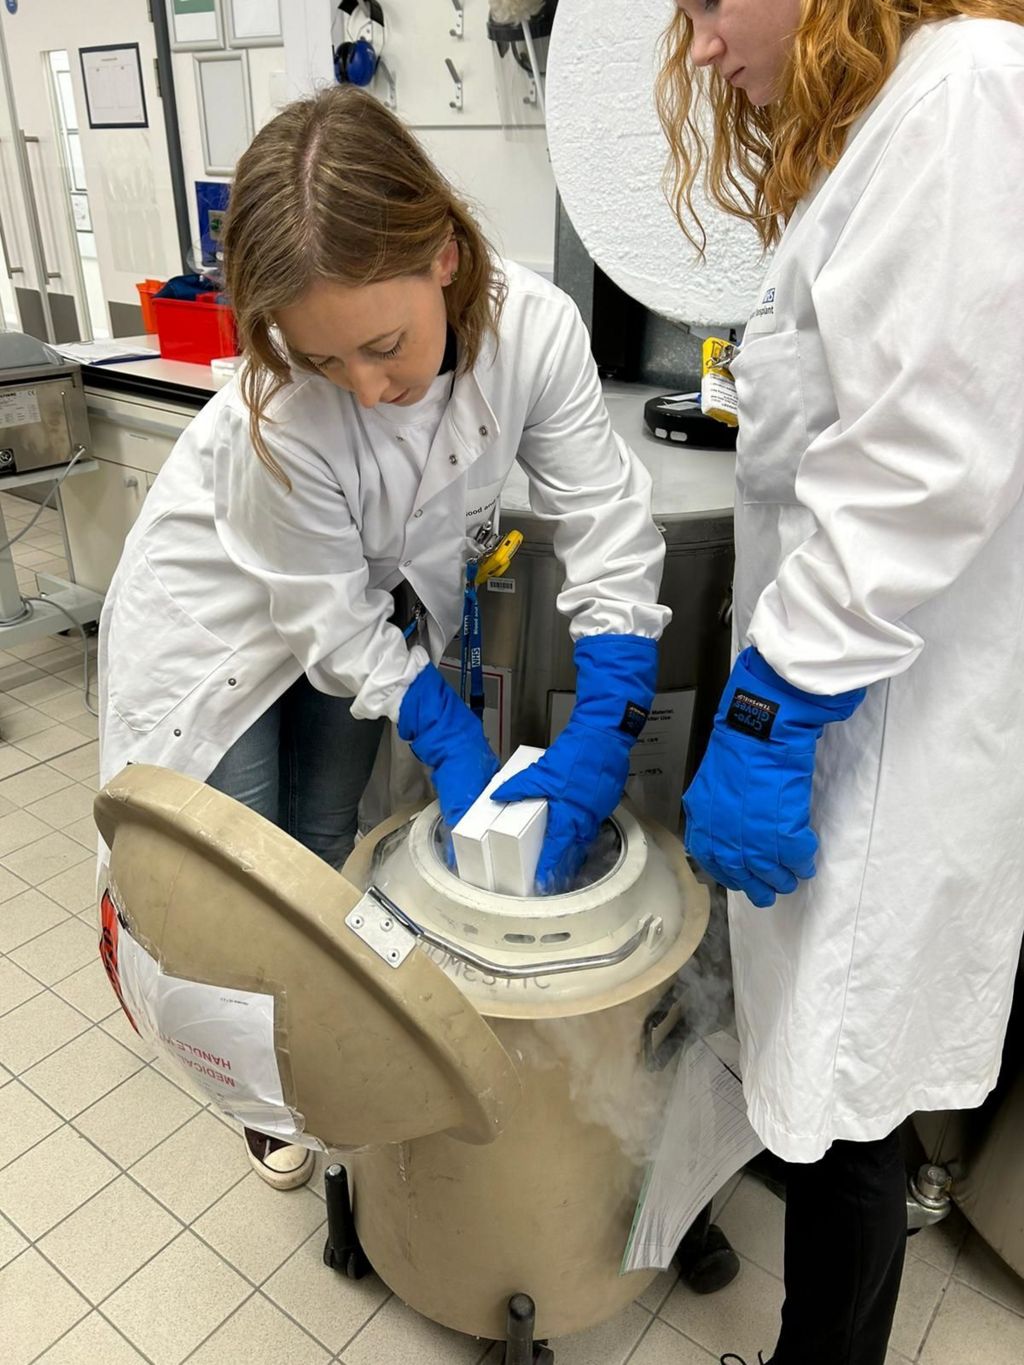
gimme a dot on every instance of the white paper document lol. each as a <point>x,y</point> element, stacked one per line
<point>221,1036</point>
<point>113,86</point>
<point>706,1139</point>
<point>103,352</point>
<point>657,764</point>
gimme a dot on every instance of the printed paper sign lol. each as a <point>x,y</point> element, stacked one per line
<point>657,765</point>
<point>223,1037</point>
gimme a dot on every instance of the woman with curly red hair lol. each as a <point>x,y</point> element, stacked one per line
<point>861,794</point>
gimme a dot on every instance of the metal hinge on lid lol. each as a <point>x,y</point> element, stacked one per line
<point>381,930</point>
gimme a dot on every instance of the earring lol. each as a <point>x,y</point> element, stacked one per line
<point>453,277</point>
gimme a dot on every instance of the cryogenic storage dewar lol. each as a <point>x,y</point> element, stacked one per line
<point>488,1066</point>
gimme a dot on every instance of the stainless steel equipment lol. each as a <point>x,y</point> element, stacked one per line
<point>42,406</point>
<point>523,632</point>
<point>983,1149</point>
<point>44,438</point>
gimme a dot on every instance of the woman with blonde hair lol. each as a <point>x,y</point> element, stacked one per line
<point>878,146</point>
<point>300,564</point>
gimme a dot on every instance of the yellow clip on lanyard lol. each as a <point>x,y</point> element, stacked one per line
<point>492,564</point>
<point>496,563</point>
<point>717,386</point>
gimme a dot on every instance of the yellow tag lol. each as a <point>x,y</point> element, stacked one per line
<point>717,386</point>
<point>497,562</point>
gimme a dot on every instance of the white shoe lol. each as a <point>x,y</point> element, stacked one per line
<point>283,1165</point>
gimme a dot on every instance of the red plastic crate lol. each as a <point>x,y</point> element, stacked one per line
<point>147,288</point>
<point>196,331</point>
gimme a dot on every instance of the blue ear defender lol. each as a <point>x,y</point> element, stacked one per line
<point>356,63</point>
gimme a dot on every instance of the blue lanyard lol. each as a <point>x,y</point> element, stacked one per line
<point>471,664</point>
<point>471,668</point>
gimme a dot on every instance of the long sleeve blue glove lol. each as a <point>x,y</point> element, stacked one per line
<point>584,772</point>
<point>748,810</point>
<point>449,739</point>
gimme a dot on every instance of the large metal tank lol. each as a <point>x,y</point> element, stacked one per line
<point>983,1149</point>
<point>493,1059</point>
<point>529,676</point>
<point>523,633</point>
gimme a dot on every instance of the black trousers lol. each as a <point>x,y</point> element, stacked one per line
<point>846,1235</point>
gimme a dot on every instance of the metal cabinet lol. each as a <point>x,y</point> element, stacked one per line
<point>525,637</point>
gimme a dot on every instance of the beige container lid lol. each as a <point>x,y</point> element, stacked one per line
<point>368,1053</point>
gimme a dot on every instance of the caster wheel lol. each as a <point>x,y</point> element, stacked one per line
<point>357,1267</point>
<point>544,1355</point>
<point>709,1265</point>
<point>352,1264</point>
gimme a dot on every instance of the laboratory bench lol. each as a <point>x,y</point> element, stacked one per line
<point>138,409</point>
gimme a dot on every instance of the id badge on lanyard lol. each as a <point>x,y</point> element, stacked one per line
<point>496,553</point>
<point>494,557</point>
<point>471,664</point>
<point>717,386</point>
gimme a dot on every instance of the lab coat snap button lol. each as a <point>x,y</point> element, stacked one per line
<point>407,564</point>
<point>483,431</point>
<point>232,682</point>
<point>453,459</point>
<point>418,512</point>
<point>177,734</point>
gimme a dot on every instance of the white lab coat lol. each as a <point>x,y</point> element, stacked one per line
<point>880,543</point>
<point>230,586</point>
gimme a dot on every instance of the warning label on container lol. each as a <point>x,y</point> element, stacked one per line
<point>223,1036</point>
<point>658,762</point>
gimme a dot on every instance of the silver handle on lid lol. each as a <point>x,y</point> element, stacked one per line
<point>649,929</point>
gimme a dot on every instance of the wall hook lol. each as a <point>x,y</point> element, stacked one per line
<point>456,103</point>
<point>460,20</point>
<point>391,98</point>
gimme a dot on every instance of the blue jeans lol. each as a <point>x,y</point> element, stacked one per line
<point>303,765</point>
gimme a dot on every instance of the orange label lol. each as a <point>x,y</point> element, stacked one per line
<point>110,930</point>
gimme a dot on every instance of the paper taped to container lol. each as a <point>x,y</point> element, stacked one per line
<point>223,1038</point>
<point>657,763</point>
<point>706,1139</point>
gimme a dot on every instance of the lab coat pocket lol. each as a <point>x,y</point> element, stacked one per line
<point>157,653</point>
<point>481,506</point>
<point>772,436</point>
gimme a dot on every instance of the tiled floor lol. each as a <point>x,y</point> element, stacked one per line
<point>131,1228</point>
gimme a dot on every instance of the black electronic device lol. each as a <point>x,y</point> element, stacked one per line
<point>676,419</point>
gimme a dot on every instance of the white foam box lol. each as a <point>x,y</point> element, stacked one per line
<point>514,842</point>
<point>469,837</point>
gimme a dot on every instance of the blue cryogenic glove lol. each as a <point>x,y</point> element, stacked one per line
<point>584,772</point>
<point>748,810</point>
<point>449,739</point>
